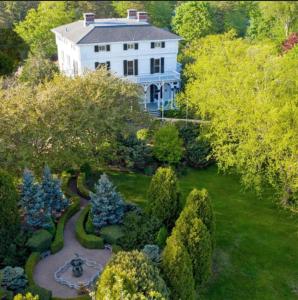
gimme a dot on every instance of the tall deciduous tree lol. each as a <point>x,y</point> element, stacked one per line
<point>163,196</point>
<point>250,95</point>
<point>35,29</point>
<point>130,275</point>
<point>9,214</point>
<point>107,206</point>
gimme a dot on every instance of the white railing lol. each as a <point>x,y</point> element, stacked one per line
<point>168,76</point>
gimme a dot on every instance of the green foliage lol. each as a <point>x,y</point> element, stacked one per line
<point>111,234</point>
<point>254,127</point>
<point>6,63</point>
<point>193,19</point>
<point>81,186</point>
<point>89,227</point>
<point>107,206</point>
<point>178,270</point>
<point>168,145</point>
<point>58,242</point>
<point>153,253</point>
<point>37,69</point>
<point>143,134</point>
<point>9,214</point>
<point>35,29</point>
<point>139,229</point>
<point>28,296</point>
<point>5,294</point>
<point>40,241</point>
<point>89,241</point>
<point>131,275</point>
<point>65,181</point>
<point>163,196</point>
<point>13,279</point>
<point>162,237</point>
<point>86,168</point>
<point>98,98</point>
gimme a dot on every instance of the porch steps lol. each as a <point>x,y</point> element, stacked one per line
<point>155,113</point>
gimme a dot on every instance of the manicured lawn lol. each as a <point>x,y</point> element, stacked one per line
<point>256,254</point>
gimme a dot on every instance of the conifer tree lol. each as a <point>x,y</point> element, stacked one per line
<point>107,206</point>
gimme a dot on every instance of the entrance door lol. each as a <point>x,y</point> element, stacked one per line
<point>153,93</point>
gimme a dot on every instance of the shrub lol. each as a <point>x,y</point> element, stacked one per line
<point>139,229</point>
<point>9,214</point>
<point>142,134</point>
<point>89,241</point>
<point>28,296</point>
<point>162,237</point>
<point>133,275</point>
<point>107,206</point>
<point>200,203</point>
<point>168,146</point>
<point>153,253</point>
<point>111,234</point>
<point>86,168</point>
<point>163,197</point>
<point>13,279</point>
<point>89,227</point>
<point>40,241</point>
<point>81,186</point>
<point>198,153</point>
<point>178,271</point>
<point>5,295</point>
<point>58,242</point>
<point>65,180</point>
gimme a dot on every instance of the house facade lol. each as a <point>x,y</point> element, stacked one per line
<point>131,48</point>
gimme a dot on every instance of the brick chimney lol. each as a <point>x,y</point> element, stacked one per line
<point>142,16</point>
<point>89,18</point>
<point>132,14</point>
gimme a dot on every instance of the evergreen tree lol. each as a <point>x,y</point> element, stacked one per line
<point>177,267</point>
<point>107,206</point>
<point>55,200</point>
<point>163,196</point>
<point>9,214</point>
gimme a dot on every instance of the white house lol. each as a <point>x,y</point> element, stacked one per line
<point>129,47</point>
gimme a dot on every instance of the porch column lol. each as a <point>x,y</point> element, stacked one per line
<point>158,95</point>
<point>145,87</point>
<point>172,95</point>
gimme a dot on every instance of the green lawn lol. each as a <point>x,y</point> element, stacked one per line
<point>256,254</point>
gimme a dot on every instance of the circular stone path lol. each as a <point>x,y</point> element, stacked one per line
<point>45,269</point>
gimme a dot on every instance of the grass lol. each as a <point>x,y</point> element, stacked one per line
<point>256,255</point>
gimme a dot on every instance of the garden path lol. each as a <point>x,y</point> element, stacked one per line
<point>45,269</point>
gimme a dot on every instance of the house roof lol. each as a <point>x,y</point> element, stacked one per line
<point>112,30</point>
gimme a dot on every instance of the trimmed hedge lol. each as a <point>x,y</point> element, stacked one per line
<point>31,262</point>
<point>65,179</point>
<point>89,241</point>
<point>112,233</point>
<point>40,241</point>
<point>82,297</point>
<point>58,242</point>
<point>81,186</point>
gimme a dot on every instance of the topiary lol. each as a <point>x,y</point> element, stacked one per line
<point>163,196</point>
<point>178,270</point>
<point>9,214</point>
<point>131,275</point>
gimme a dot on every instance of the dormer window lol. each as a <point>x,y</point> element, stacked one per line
<point>101,48</point>
<point>158,44</point>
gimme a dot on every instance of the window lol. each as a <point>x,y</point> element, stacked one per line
<point>101,48</point>
<point>157,65</point>
<point>131,46</point>
<point>158,44</point>
<point>98,65</point>
<point>130,67</point>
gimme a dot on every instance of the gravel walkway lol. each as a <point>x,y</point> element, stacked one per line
<point>45,269</point>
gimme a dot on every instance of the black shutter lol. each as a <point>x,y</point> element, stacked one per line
<point>125,67</point>
<point>152,65</point>
<point>108,65</point>
<point>124,46</point>
<point>162,63</point>
<point>161,90</point>
<point>136,46</point>
<point>108,48</point>
<point>163,44</point>
<point>96,48</point>
<point>136,66</point>
<point>152,44</point>
<point>96,65</point>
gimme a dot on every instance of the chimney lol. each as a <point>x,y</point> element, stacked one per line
<point>132,14</point>
<point>142,16</point>
<point>89,18</point>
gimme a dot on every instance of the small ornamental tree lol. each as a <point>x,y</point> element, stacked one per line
<point>107,206</point>
<point>200,203</point>
<point>33,204</point>
<point>168,146</point>
<point>163,196</point>
<point>131,275</point>
<point>196,238</point>
<point>9,214</point>
<point>177,267</point>
<point>55,200</point>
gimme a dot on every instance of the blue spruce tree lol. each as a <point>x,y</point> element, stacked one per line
<point>33,204</point>
<point>107,206</point>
